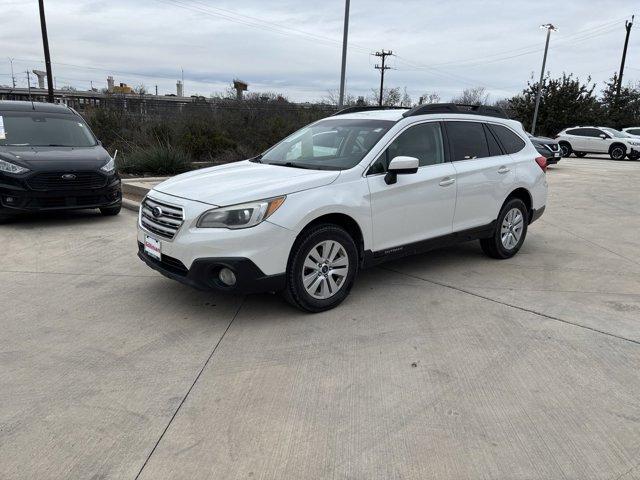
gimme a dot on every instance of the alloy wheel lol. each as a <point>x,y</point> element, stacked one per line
<point>511,229</point>
<point>325,269</point>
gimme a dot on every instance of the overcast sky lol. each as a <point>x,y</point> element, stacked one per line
<point>293,47</point>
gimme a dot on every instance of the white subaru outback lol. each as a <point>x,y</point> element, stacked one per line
<point>347,192</point>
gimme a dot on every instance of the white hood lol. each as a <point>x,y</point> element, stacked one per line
<point>244,181</point>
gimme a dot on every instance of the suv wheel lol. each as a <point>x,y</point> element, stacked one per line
<point>322,268</point>
<point>617,152</point>
<point>566,149</point>
<point>510,231</point>
<point>580,154</point>
<point>110,211</point>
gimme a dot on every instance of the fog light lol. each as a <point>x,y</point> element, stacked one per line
<point>9,199</point>
<point>227,277</point>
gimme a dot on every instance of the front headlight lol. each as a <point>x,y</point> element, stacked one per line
<point>240,216</point>
<point>11,167</point>
<point>635,144</point>
<point>109,167</point>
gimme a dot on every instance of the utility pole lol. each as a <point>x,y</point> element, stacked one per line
<point>156,90</point>
<point>627,26</point>
<point>382,68</point>
<point>549,28</point>
<point>47,57</point>
<point>13,78</point>
<point>344,53</point>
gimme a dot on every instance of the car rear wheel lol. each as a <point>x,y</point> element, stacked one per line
<point>322,268</point>
<point>510,231</point>
<point>110,211</point>
<point>617,152</point>
<point>580,154</point>
<point>566,149</point>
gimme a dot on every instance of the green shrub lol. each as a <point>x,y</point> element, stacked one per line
<point>155,160</point>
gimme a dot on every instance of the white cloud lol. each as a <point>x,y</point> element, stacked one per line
<point>150,41</point>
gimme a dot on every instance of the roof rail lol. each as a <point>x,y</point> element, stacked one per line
<point>364,108</point>
<point>433,108</point>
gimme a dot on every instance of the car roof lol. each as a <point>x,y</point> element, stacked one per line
<point>396,114</point>
<point>18,106</point>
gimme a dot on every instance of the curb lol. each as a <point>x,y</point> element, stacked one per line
<point>130,204</point>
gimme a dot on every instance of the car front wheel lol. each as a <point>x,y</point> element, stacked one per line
<point>510,231</point>
<point>566,149</point>
<point>617,152</point>
<point>322,268</point>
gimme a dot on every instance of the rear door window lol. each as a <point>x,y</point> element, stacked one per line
<point>467,140</point>
<point>511,142</point>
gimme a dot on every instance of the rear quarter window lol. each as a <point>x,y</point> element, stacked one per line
<point>511,143</point>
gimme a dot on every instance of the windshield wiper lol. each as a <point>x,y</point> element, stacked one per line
<point>256,159</point>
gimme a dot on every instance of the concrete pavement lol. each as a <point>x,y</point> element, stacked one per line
<point>446,365</point>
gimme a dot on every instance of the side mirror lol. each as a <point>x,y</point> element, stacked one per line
<point>400,166</point>
<point>603,136</point>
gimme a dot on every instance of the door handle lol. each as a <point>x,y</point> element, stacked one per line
<point>447,181</point>
<point>504,169</point>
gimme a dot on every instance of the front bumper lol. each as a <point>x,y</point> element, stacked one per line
<point>203,273</point>
<point>17,197</point>
<point>257,255</point>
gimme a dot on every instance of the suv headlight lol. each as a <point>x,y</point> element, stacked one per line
<point>11,167</point>
<point>634,143</point>
<point>109,167</point>
<point>240,216</point>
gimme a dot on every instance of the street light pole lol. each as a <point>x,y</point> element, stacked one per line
<point>47,57</point>
<point>549,28</point>
<point>344,52</point>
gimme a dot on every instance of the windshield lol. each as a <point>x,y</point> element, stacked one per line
<point>332,144</point>
<point>617,133</point>
<point>38,129</point>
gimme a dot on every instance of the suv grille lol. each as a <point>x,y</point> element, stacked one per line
<point>161,218</point>
<point>73,181</point>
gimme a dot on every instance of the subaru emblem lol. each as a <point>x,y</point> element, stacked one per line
<point>156,211</point>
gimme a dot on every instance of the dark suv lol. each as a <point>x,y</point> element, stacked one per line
<point>50,160</point>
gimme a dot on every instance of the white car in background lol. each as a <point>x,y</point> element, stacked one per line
<point>635,131</point>
<point>583,140</point>
<point>349,191</point>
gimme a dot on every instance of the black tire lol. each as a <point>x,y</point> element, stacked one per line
<point>110,211</point>
<point>566,149</point>
<point>580,154</point>
<point>295,292</point>
<point>617,152</point>
<point>494,246</point>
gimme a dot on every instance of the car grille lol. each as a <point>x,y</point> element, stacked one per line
<point>55,181</point>
<point>161,218</point>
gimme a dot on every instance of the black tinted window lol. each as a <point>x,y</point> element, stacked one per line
<point>494,147</point>
<point>423,141</point>
<point>467,140</point>
<point>579,132</point>
<point>593,132</point>
<point>511,142</point>
<point>634,131</point>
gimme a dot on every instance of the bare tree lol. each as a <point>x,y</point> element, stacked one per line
<point>429,97</point>
<point>140,89</point>
<point>473,96</point>
<point>332,98</point>
<point>391,97</point>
